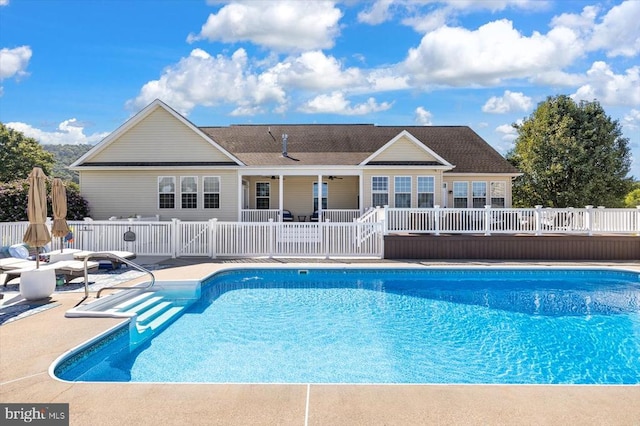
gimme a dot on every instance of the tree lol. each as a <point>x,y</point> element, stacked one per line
<point>571,155</point>
<point>20,154</point>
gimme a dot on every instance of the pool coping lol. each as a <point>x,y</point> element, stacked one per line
<point>30,345</point>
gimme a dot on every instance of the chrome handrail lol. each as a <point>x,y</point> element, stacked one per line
<point>119,260</point>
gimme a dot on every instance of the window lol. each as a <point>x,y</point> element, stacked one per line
<point>460,195</point>
<point>426,190</point>
<point>479,194</point>
<point>211,192</point>
<point>498,194</point>
<point>402,189</point>
<point>325,195</point>
<point>379,191</point>
<point>166,192</point>
<point>189,192</point>
<point>263,191</point>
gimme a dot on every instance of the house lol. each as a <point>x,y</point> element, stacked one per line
<point>159,163</point>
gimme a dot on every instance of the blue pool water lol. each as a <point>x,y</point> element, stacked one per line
<point>390,326</point>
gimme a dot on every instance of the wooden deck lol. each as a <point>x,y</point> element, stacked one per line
<point>512,247</point>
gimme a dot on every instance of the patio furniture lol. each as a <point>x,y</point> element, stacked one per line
<point>68,269</point>
<point>302,218</point>
<point>287,216</point>
<point>103,256</point>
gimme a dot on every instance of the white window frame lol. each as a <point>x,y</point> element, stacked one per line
<point>432,185</point>
<point>498,191</point>
<point>205,192</point>
<point>268,196</point>
<point>325,195</point>
<point>396,193</point>
<point>475,198</point>
<point>161,191</point>
<point>379,192</point>
<point>457,195</point>
<point>186,192</point>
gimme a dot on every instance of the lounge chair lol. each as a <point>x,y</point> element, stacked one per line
<point>69,269</point>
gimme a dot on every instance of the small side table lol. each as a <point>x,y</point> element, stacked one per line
<point>302,218</point>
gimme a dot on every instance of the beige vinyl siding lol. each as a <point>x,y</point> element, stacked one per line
<point>160,137</point>
<point>127,193</point>
<point>402,150</point>
<point>392,173</point>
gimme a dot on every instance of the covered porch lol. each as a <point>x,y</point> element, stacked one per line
<point>301,196</point>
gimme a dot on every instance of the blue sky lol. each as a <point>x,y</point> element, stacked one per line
<point>73,71</point>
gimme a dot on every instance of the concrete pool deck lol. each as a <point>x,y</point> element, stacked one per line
<point>29,345</point>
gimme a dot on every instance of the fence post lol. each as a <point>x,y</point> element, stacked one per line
<point>538,217</point>
<point>385,221</point>
<point>436,219</point>
<point>589,219</point>
<point>487,219</point>
<point>271,237</point>
<point>638,220</point>
<point>327,246</point>
<point>175,231</point>
<point>213,238</point>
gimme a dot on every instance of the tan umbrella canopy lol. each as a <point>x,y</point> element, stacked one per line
<point>59,206</point>
<point>37,234</point>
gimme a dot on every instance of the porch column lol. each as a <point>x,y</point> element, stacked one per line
<point>361,192</point>
<point>319,198</point>
<point>239,197</point>
<point>281,195</point>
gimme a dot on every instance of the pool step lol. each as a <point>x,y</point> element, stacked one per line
<point>152,312</point>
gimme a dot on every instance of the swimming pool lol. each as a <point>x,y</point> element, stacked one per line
<point>534,326</point>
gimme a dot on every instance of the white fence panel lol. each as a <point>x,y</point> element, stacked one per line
<point>193,238</point>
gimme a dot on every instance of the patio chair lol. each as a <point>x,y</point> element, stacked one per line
<point>96,256</point>
<point>287,216</point>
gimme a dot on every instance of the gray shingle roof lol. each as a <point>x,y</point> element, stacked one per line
<point>350,144</point>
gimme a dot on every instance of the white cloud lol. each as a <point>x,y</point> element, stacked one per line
<point>282,25</point>
<point>378,13</point>
<point>423,117</point>
<point>13,62</point>
<point>4,2</point>
<point>489,55</point>
<point>508,132</point>
<point>618,32</point>
<point>69,132</point>
<point>336,103</point>
<point>201,79</point>
<point>610,88</point>
<point>315,71</point>
<point>509,102</point>
<point>632,120</point>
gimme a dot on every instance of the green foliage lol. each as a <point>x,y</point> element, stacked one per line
<point>64,156</point>
<point>633,198</point>
<point>20,154</point>
<point>13,201</point>
<point>571,155</point>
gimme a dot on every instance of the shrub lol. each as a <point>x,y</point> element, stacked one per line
<point>14,195</point>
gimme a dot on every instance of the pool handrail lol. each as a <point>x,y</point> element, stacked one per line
<point>119,260</point>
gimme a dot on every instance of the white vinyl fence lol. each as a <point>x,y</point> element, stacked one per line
<point>363,236</point>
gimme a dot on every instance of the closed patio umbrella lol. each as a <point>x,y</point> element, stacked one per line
<point>37,234</point>
<point>59,206</point>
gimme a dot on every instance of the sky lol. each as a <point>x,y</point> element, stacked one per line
<point>72,71</point>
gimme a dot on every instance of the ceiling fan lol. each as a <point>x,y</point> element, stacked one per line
<point>333,177</point>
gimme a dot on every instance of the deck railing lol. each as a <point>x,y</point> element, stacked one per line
<point>537,221</point>
<point>359,237</point>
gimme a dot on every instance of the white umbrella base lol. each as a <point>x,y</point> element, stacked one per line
<point>37,284</point>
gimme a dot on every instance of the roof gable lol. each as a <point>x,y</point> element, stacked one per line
<point>404,147</point>
<point>157,134</point>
